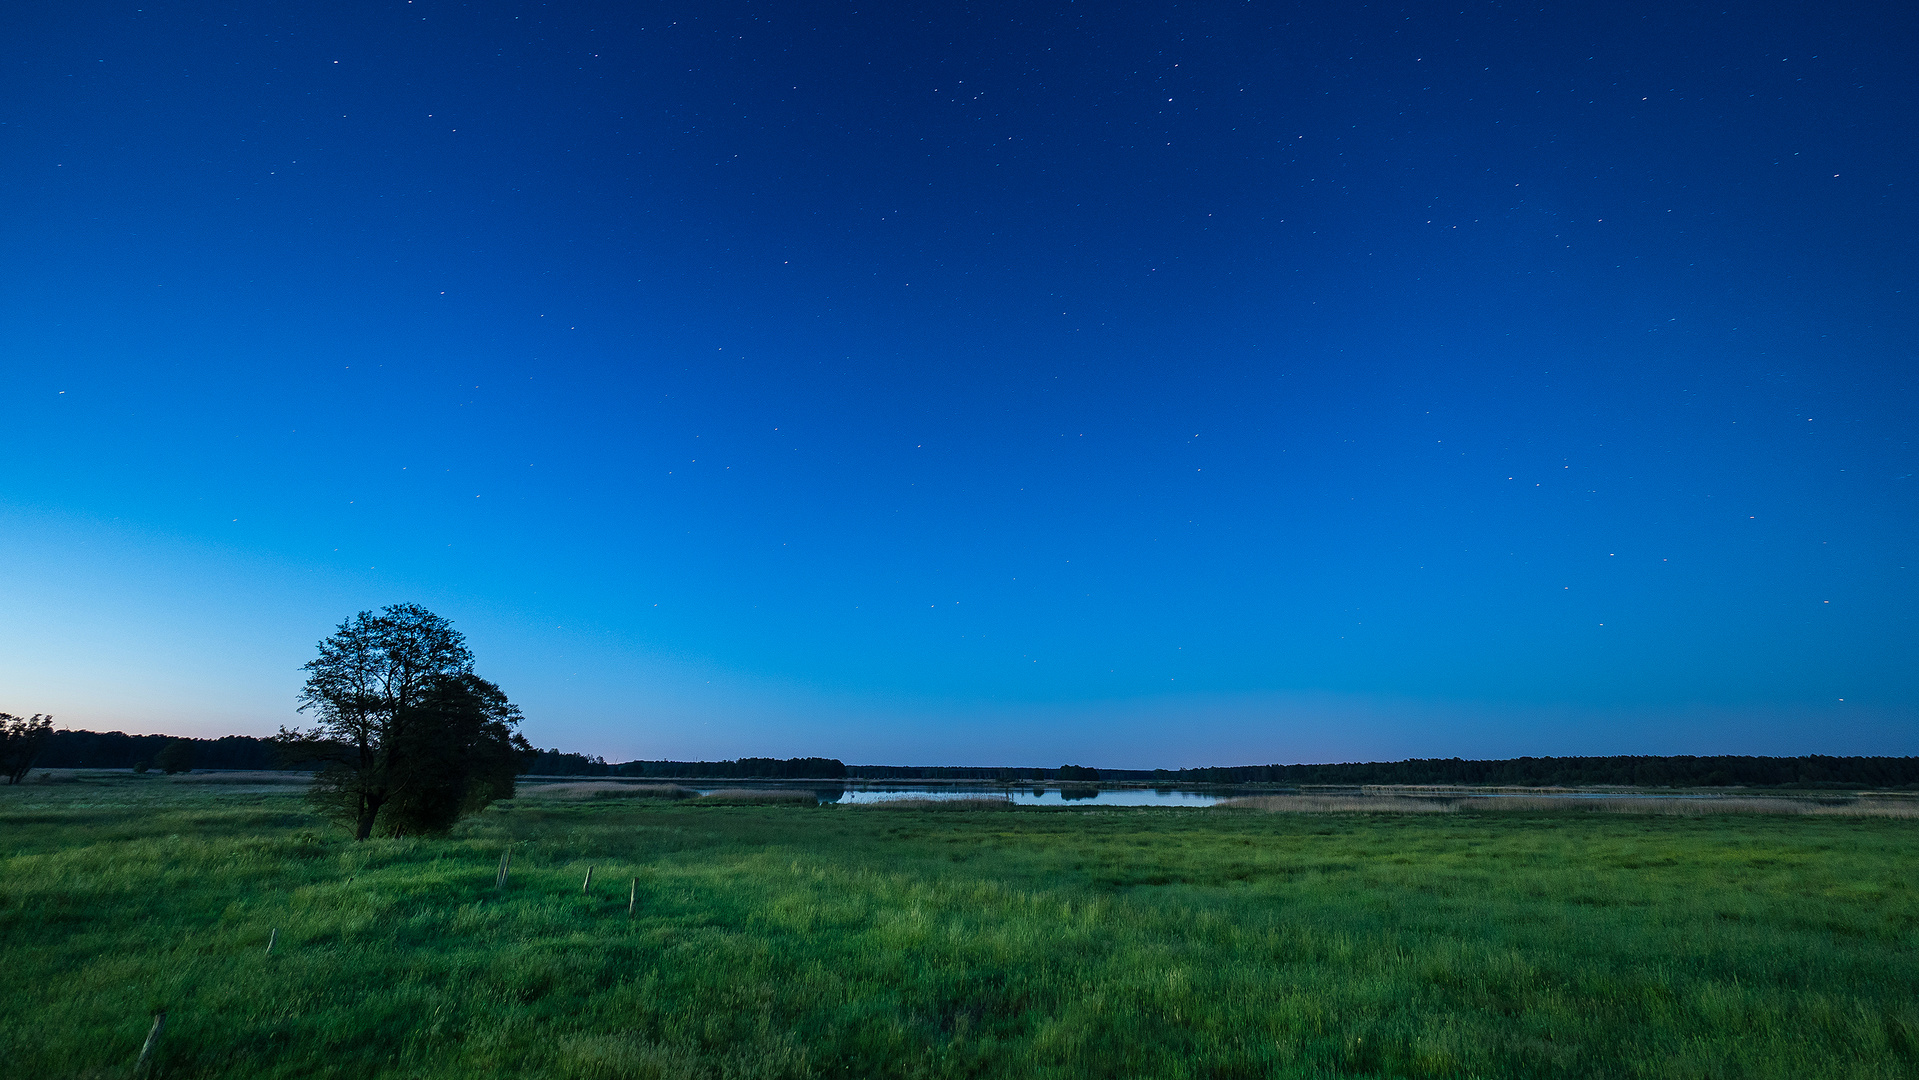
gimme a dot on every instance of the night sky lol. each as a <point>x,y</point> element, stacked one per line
<point>1130,385</point>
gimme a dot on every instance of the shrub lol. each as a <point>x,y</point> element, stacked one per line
<point>175,757</point>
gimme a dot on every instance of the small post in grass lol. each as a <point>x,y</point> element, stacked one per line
<point>506,861</point>
<point>588,883</point>
<point>632,896</point>
<point>153,1040</point>
<point>273,935</point>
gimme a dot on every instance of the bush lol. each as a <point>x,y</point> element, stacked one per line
<point>175,757</point>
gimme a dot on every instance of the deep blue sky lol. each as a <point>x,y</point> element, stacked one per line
<point>994,383</point>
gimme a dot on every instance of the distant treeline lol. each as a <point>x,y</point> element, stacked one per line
<point>1003,775</point>
<point>1725,771</point>
<point>555,763</point>
<point>751,768</point>
<point>1814,771</point>
<point>117,750</point>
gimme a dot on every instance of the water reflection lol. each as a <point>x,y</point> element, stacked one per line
<point>1033,793</point>
<point>1063,795</point>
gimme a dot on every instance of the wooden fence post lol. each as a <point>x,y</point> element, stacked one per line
<point>153,1039</point>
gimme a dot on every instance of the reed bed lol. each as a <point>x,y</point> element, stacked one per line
<point>51,776</point>
<point>1338,804</point>
<point>1669,807</point>
<point>246,777</point>
<point>605,789</point>
<point>982,803</point>
<point>118,777</point>
<point>755,796</point>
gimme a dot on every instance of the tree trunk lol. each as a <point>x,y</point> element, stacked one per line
<point>369,810</point>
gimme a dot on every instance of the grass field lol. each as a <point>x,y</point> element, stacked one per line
<point>787,941</point>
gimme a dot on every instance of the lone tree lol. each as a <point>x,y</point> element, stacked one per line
<point>175,757</point>
<point>408,737</point>
<point>21,738</point>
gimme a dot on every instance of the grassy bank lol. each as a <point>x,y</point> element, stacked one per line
<point>785,940</point>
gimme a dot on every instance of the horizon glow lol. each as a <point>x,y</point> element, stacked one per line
<point>1009,385</point>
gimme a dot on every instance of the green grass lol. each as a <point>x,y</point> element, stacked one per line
<point>777,941</point>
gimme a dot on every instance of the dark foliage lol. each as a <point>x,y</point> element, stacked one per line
<point>117,750</point>
<point>557,763</point>
<point>175,757</point>
<point>409,736</point>
<point>21,740</point>
<point>1814,771</point>
<point>949,772</point>
<point>810,768</point>
<point>457,753</point>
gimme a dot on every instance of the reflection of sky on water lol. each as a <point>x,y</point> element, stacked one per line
<point>1087,795</point>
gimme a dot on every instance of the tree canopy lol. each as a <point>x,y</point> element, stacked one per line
<point>175,757</point>
<point>21,738</point>
<point>408,736</point>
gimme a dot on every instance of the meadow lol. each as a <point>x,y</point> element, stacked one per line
<point>785,940</point>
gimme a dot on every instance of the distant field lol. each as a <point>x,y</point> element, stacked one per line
<point>784,940</point>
